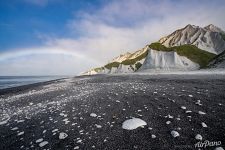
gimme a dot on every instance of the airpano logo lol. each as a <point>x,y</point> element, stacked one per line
<point>207,143</point>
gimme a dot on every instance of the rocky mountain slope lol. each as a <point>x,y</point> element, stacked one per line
<point>189,48</point>
<point>209,38</point>
<point>218,61</point>
<point>167,61</point>
<point>126,63</point>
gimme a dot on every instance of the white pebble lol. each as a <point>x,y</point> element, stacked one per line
<point>190,95</point>
<point>39,140</point>
<point>16,128</point>
<point>219,148</point>
<point>98,126</point>
<point>21,133</point>
<point>93,115</point>
<point>201,113</point>
<point>55,130</point>
<point>62,135</point>
<point>4,122</point>
<point>183,107</point>
<point>175,133</point>
<point>43,143</point>
<point>204,125</point>
<point>133,123</point>
<point>79,141</point>
<point>168,122</point>
<point>198,102</point>
<point>198,137</point>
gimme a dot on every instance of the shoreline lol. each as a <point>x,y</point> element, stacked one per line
<point>161,76</point>
<point>27,86</point>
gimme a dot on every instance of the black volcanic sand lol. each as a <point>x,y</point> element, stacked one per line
<point>34,115</point>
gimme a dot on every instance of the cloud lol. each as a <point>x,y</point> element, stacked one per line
<point>120,26</point>
<point>43,61</point>
<point>57,64</point>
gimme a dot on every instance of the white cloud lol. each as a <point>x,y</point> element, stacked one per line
<point>109,31</point>
<point>43,61</point>
<point>36,65</point>
<point>121,26</point>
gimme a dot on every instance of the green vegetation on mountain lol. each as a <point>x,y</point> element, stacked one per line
<point>128,61</point>
<point>132,67</point>
<point>195,54</point>
<point>133,61</point>
<point>190,51</point>
<point>217,60</point>
<point>223,36</point>
<point>159,47</point>
<point>98,69</point>
<point>112,64</point>
<point>138,65</point>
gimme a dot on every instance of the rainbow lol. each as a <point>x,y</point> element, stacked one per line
<point>14,54</point>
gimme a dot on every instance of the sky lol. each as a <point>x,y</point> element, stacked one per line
<point>68,37</point>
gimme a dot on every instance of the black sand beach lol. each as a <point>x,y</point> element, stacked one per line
<point>33,116</point>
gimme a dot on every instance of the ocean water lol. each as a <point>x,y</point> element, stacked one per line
<point>14,81</point>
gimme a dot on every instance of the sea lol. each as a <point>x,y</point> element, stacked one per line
<point>14,81</point>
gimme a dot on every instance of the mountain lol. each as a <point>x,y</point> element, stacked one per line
<point>209,38</point>
<point>218,61</point>
<point>122,57</point>
<point>189,48</point>
<point>126,63</point>
<point>213,28</point>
